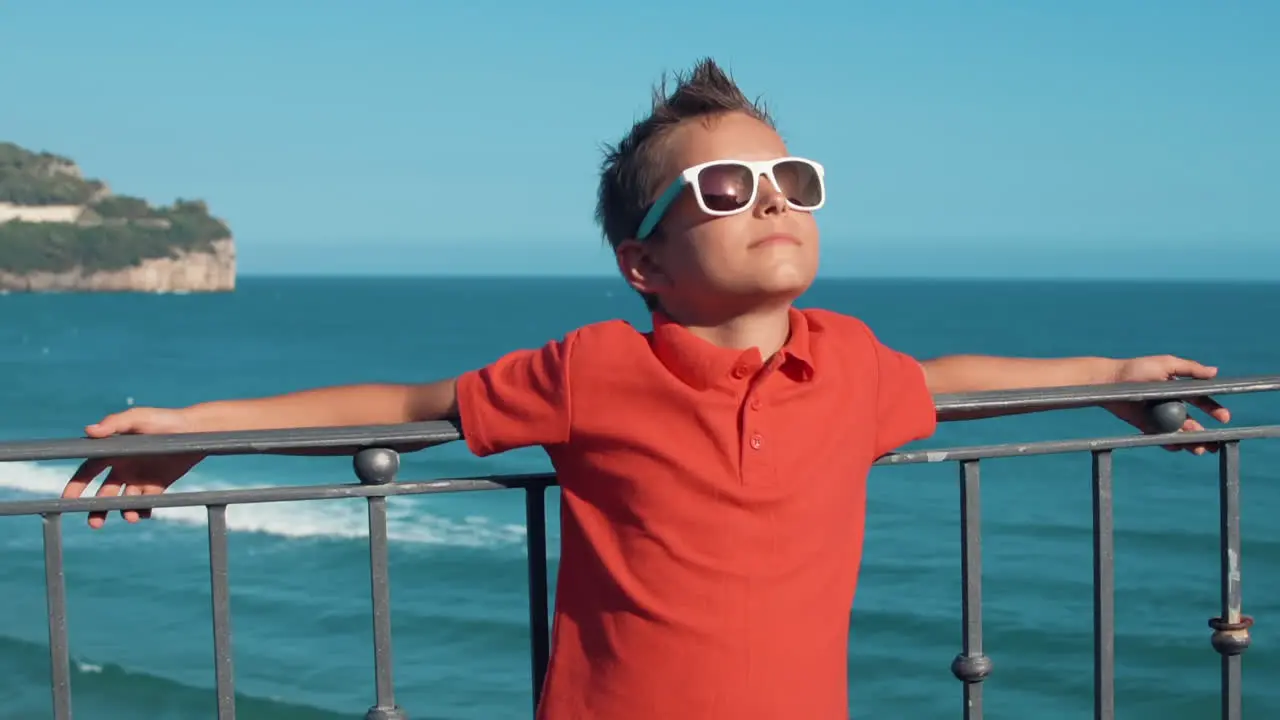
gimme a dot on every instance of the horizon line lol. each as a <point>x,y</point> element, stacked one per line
<point>896,278</point>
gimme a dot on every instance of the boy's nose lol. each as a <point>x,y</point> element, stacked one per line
<point>769,199</point>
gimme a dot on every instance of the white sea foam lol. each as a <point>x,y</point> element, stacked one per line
<point>293,520</point>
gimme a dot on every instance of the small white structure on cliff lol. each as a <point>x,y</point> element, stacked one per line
<point>40,213</point>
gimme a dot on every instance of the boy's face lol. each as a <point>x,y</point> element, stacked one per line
<point>701,265</point>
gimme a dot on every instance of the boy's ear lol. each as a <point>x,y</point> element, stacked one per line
<point>640,263</point>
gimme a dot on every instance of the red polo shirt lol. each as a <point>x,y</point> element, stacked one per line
<point>712,509</point>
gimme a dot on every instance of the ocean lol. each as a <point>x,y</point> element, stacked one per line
<point>138,596</point>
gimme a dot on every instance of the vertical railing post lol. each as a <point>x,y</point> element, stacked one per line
<point>220,591</point>
<point>1104,587</point>
<point>535,510</point>
<point>1231,629</point>
<point>971,666</point>
<point>55,588</point>
<point>378,466</point>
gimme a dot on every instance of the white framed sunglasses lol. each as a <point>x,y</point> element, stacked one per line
<point>728,187</point>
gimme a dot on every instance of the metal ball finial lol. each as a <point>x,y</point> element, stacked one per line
<point>1168,415</point>
<point>971,668</point>
<point>1231,638</point>
<point>376,466</point>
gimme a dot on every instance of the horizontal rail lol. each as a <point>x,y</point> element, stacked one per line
<point>294,493</point>
<point>1056,447</point>
<point>251,442</point>
<point>426,434</point>
<point>1063,398</point>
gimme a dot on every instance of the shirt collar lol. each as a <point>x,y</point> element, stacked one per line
<point>703,365</point>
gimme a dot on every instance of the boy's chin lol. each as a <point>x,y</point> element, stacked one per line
<point>785,282</point>
<point>778,290</point>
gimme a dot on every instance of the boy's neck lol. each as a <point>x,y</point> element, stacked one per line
<point>766,329</point>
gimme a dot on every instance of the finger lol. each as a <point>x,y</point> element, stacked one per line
<point>111,487</point>
<point>149,489</point>
<point>1192,425</point>
<point>83,476</point>
<point>131,515</point>
<point>1212,408</point>
<point>110,425</point>
<point>1188,425</point>
<point>1181,367</point>
<point>1202,448</point>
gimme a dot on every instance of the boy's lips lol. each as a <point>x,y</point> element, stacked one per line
<point>775,239</point>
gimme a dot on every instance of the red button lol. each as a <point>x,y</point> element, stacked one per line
<point>740,371</point>
<point>756,441</point>
<point>755,403</point>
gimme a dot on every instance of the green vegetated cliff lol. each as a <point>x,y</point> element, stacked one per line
<point>54,221</point>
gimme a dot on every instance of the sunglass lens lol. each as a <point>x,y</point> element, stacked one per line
<point>726,187</point>
<point>800,182</point>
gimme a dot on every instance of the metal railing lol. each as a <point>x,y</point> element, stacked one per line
<point>377,462</point>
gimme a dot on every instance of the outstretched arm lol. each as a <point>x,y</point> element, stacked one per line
<point>520,400</point>
<point>368,404</point>
<point>978,373</point>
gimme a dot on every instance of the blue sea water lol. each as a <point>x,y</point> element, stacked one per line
<point>139,595</point>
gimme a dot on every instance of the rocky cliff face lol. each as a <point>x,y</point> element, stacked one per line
<point>186,272</point>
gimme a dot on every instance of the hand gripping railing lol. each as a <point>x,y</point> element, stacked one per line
<point>376,464</point>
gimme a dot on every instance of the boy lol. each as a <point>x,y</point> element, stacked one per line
<point>713,471</point>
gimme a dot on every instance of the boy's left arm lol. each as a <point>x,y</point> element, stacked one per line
<point>978,373</point>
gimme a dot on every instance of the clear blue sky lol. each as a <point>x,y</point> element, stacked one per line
<point>1006,138</point>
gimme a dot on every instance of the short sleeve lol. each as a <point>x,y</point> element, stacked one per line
<point>521,400</point>
<point>904,406</point>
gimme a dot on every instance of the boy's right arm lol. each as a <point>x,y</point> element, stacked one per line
<point>371,404</point>
<point>520,400</point>
<point>368,404</point>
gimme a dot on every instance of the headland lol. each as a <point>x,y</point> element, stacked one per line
<point>63,232</point>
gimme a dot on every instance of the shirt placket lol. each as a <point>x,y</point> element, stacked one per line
<point>756,456</point>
